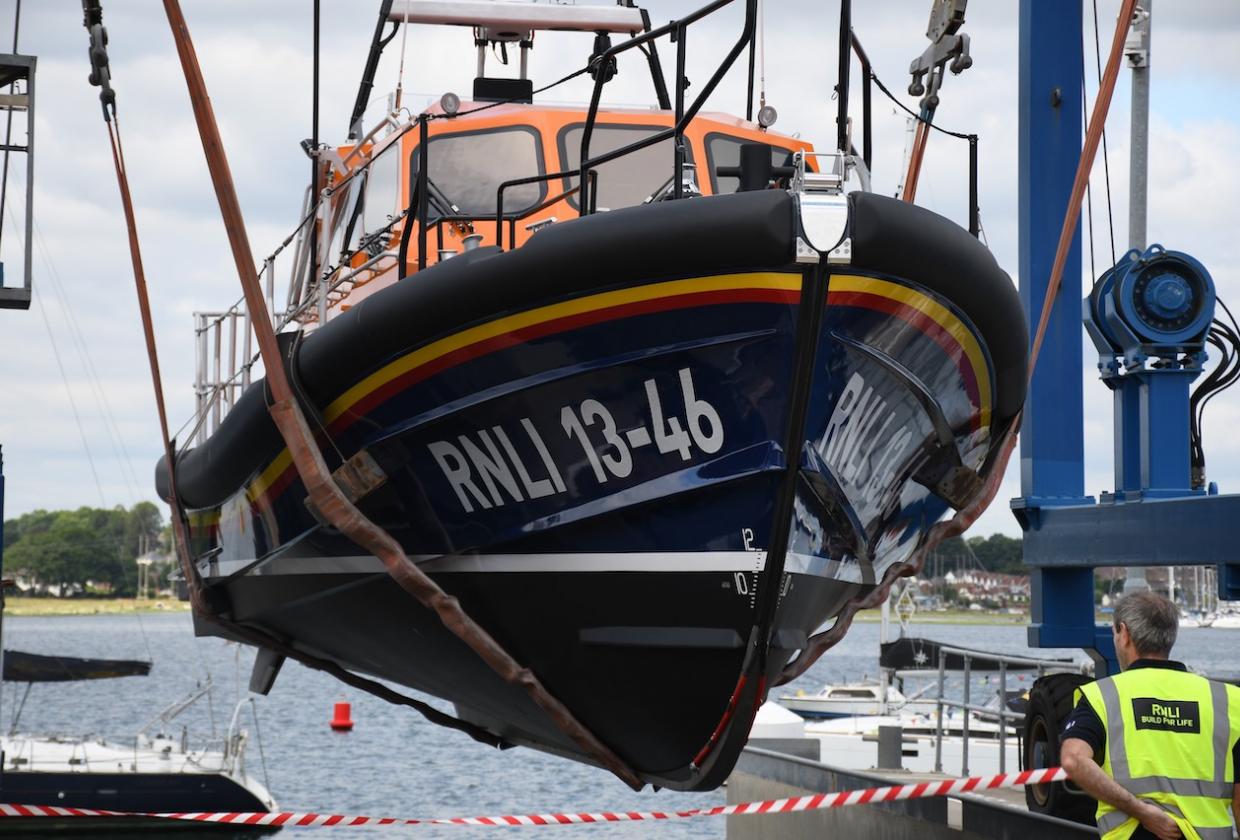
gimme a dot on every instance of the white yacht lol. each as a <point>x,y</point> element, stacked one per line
<point>856,699</point>
<point>159,771</point>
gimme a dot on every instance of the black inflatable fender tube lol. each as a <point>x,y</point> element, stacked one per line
<point>683,238</point>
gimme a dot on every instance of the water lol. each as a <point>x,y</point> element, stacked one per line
<point>394,763</point>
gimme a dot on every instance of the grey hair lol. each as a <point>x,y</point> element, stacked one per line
<point>1152,621</point>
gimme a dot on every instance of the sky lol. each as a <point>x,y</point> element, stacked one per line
<point>256,58</point>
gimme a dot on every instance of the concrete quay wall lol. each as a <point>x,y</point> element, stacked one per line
<point>763,774</point>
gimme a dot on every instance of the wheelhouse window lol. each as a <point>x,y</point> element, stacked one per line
<point>628,180</point>
<point>346,225</point>
<point>382,190</point>
<point>725,150</point>
<point>365,206</point>
<point>466,171</point>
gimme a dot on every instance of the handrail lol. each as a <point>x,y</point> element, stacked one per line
<point>533,179</point>
<point>678,29</point>
<point>369,265</point>
<point>841,83</point>
<point>1030,662</point>
<point>1004,714</point>
<point>867,140</point>
<point>499,217</point>
<point>423,186</point>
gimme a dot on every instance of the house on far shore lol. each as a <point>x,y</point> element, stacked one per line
<point>976,589</point>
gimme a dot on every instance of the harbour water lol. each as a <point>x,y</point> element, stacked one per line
<point>394,763</point>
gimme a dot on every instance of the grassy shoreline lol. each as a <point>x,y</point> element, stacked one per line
<point>90,606</point>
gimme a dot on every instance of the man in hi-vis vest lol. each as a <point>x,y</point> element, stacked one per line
<point>1168,741</point>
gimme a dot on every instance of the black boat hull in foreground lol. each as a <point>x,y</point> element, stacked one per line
<point>913,653</point>
<point>651,452</point>
<point>128,792</point>
<point>20,666</point>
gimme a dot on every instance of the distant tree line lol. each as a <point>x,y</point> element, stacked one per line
<point>999,553</point>
<point>83,550</point>
<point>996,553</point>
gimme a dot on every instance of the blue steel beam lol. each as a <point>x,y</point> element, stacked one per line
<point>1052,445</point>
<point>1188,531</point>
<point>1052,449</point>
<point>1154,517</point>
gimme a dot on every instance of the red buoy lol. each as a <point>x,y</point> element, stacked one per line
<point>341,722</point>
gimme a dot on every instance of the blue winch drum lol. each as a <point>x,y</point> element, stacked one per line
<point>1164,297</point>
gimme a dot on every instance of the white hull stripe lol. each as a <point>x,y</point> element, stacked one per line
<point>811,564</point>
<point>644,561</point>
<point>683,561</point>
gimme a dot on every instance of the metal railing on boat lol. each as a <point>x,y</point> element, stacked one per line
<point>224,359</point>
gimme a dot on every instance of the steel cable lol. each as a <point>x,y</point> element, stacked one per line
<point>1106,164</point>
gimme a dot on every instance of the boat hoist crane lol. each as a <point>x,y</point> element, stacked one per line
<point>1149,318</point>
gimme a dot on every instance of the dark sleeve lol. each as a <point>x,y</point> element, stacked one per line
<point>1085,724</point>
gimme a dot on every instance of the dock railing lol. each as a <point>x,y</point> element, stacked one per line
<point>1004,714</point>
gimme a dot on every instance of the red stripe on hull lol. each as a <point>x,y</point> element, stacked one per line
<point>536,331</point>
<point>449,360</point>
<point>925,324</point>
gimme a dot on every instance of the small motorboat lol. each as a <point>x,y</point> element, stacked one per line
<point>647,391</point>
<point>858,699</point>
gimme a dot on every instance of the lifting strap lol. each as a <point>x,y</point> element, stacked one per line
<point>916,157</point>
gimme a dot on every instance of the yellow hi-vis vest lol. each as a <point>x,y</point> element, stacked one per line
<point>1169,740</point>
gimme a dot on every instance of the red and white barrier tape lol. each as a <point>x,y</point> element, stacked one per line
<point>818,801</point>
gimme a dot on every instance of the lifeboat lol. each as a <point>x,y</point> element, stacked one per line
<point>652,438</point>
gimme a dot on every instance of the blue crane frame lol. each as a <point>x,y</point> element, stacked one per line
<point>1068,534</point>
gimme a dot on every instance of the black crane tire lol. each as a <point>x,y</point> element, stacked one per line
<point>1050,703</point>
